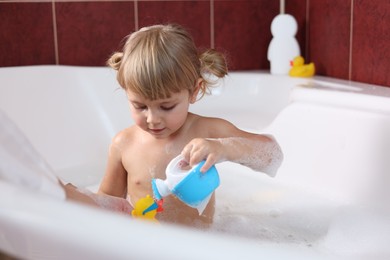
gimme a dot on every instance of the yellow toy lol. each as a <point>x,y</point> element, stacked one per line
<point>146,208</point>
<point>299,69</point>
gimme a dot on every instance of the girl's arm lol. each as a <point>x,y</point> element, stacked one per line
<point>103,201</point>
<point>114,182</point>
<point>228,143</point>
<point>112,188</point>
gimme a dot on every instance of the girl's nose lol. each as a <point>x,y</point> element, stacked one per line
<point>152,117</point>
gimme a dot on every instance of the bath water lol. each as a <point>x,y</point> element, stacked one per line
<point>268,211</point>
<point>272,212</point>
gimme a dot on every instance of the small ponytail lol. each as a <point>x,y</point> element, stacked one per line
<point>115,60</point>
<point>213,67</point>
<point>213,62</point>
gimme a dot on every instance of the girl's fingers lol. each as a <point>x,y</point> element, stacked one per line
<point>196,157</point>
<point>210,161</point>
<point>200,149</point>
<point>186,152</point>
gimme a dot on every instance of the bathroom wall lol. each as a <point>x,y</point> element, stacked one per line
<point>346,39</point>
<point>350,39</point>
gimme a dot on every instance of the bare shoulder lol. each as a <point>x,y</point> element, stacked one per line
<point>123,137</point>
<point>216,122</point>
<point>215,127</point>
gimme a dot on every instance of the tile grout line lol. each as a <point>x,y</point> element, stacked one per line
<point>212,39</point>
<point>350,43</point>
<point>55,36</point>
<point>136,23</point>
<point>307,34</point>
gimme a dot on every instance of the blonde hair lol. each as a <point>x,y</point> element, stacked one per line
<point>163,59</point>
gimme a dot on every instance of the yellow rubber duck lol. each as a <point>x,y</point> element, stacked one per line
<point>299,69</point>
<point>146,208</point>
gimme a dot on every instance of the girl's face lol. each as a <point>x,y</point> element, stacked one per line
<point>162,117</point>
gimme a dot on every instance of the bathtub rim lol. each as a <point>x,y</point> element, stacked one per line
<point>355,100</point>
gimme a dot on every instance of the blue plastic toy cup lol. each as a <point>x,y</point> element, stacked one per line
<point>192,187</point>
<point>197,186</point>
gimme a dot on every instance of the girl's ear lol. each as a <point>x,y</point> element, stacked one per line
<point>198,86</point>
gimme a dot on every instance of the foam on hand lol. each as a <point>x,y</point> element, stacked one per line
<point>265,156</point>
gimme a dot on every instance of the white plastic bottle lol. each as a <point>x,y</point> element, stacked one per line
<point>283,47</point>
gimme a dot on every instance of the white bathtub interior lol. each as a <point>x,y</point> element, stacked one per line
<point>327,201</point>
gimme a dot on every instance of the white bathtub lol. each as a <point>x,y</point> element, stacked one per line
<point>328,200</point>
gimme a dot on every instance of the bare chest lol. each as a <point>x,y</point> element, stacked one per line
<point>144,163</point>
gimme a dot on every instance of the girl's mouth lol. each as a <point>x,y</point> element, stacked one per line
<point>156,131</point>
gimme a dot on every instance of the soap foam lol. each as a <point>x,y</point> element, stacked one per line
<point>265,156</point>
<point>152,171</point>
<point>357,231</point>
<point>169,148</point>
<point>265,211</point>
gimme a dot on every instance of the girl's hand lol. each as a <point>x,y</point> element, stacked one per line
<point>103,201</point>
<point>112,203</point>
<point>200,149</point>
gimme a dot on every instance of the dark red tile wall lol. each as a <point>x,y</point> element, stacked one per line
<point>88,32</point>
<point>329,30</point>
<point>242,29</point>
<point>26,34</point>
<point>194,15</point>
<point>347,39</point>
<point>371,42</point>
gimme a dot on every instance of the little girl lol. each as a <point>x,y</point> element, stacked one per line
<point>162,74</point>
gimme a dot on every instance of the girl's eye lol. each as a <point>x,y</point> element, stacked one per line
<point>140,107</point>
<point>167,108</point>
